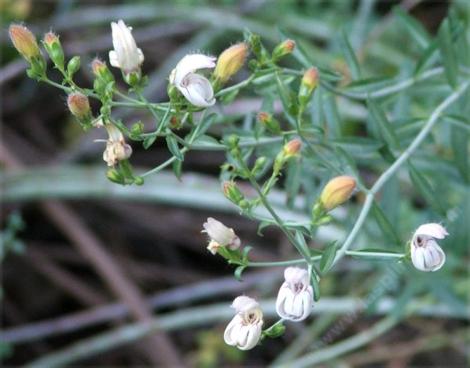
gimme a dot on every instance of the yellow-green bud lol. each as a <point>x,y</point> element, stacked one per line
<point>54,49</point>
<point>230,62</point>
<point>337,191</point>
<point>79,106</point>
<point>232,192</point>
<point>100,70</point>
<point>269,122</point>
<point>292,147</point>
<point>284,48</point>
<point>307,85</point>
<point>24,41</point>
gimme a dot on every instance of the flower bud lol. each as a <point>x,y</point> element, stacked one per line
<point>307,85</point>
<point>220,236</point>
<point>232,193</point>
<point>54,49</point>
<point>337,191</point>
<point>292,147</point>
<point>102,73</point>
<point>24,41</point>
<point>230,62</point>
<point>79,106</point>
<point>269,122</point>
<point>284,48</point>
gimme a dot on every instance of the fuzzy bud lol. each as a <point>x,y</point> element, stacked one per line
<point>24,41</point>
<point>101,70</point>
<point>98,67</point>
<point>230,62</point>
<point>290,149</point>
<point>54,49</point>
<point>337,191</point>
<point>269,122</point>
<point>79,106</point>
<point>284,48</point>
<point>307,85</point>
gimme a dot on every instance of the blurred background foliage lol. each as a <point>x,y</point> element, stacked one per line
<point>152,234</point>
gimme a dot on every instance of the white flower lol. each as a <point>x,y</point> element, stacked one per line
<point>116,148</point>
<point>426,254</point>
<point>295,298</point>
<point>220,236</point>
<point>194,87</point>
<point>244,330</point>
<point>126,55</point>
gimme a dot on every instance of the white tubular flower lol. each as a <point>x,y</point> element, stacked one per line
<point>426,254</point>
<point>126,55</point>
<point>295,298</point>
<point>194,87</point>
<point>244,330</point>
<point>116,148</point>
<point>220,236</point>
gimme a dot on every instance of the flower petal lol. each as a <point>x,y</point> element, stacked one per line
<point>432,229</point>
<point>197,90</point>
<point>191,63</point>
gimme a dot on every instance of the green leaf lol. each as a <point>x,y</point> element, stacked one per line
<point>328,257</point>
<point>301,244</point>
<point>448,54</point>
<point>330,110</point>
<point>369,85</point>
<point>388,231</point>
<point>350,56</point>
<point>177,166</point>
<point>314,281</point>
<point>385,128</point>
<point>425,189</point>
<point>148,141</point>
<point>238,272</point>
<point>173,147</point>
<point>414,27</point>
<point>358,146</point>
<point>427,59</point>
<point>293,177</point>
<point>207,141</point>
<point>460,147</point>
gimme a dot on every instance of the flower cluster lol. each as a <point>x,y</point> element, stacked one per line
<point>296,295</point>
<point>294,300</point>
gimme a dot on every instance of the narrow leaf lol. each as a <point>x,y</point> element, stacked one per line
<point>425,189</point>
<point>350,57</point>
<point>328,257</point>
<point>414,28</point>
<point>390,235</point>
<point>385,128</point>
<point>448,53</point>
<point>173,147</point>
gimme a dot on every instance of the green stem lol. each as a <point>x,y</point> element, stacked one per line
<point>273,213</point>
<point>240,85</point>
<point>354,253</point>
<point>396,165</point>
